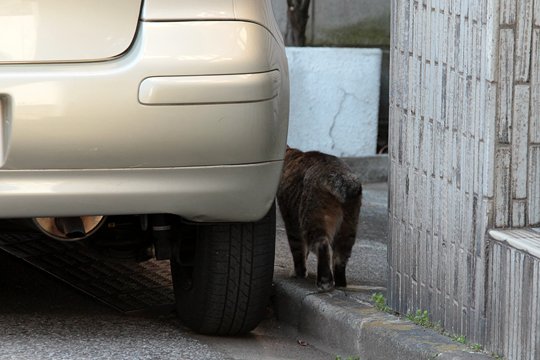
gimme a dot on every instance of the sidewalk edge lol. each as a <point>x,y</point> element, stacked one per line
<point>340,322</point>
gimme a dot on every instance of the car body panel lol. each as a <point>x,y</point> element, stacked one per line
<point>191,119</point>
<point>257,11</point>
<point>209,89</point>
<point>58,31</point>
<point>160,10</point>
<point>54,125</point>
<point>205,194</point>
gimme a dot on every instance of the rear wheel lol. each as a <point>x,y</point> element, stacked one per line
<point>222,275</point>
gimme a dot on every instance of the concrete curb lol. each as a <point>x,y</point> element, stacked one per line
<point>346,321</point>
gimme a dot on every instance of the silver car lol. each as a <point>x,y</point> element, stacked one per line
<point>174,111</point>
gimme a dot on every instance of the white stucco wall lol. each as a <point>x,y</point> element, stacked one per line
<point>334,99</point>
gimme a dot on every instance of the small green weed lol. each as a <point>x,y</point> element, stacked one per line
<point>348,358</point>
<point>380,302</point>
<point>476,347</point>
<point>459,338</point>
<point>420,318</point>
<point>463,340</point>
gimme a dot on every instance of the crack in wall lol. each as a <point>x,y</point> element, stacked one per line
<point>344,96</point>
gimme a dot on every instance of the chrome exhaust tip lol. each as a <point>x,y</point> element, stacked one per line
<point>69,228</point>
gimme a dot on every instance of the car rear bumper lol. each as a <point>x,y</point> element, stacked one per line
<point>185,94</point>
<point>206,193</point>
<point>190,125</point>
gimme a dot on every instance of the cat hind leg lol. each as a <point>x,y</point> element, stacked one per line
<point>325,279</point>
<point>299,253</point>
<point>344,241</point>
<point>341,252</point>
<point>339,272</point>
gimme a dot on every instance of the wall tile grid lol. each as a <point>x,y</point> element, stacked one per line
<point>443,95</point>
<point>516,280</point>
<point>464,148</point>
<point>517,203</point>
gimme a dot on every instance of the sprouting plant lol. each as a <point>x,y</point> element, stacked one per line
<point>463,340</point>
<point>460,339</point>
<point>380,302</point>
<point>476,347</point>
<point>420,318</point>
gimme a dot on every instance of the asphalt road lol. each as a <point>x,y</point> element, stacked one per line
<point>42,318</point>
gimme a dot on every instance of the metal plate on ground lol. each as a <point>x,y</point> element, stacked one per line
<point>125,285</point>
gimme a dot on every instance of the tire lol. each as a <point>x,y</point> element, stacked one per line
<point>222,275</point>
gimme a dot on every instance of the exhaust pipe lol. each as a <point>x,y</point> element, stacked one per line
<point>72,227</point>
<point>69,228</point>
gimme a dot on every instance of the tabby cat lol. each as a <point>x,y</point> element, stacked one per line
<point>319,198</point>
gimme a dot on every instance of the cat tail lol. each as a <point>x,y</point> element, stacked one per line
<point>343,186</point>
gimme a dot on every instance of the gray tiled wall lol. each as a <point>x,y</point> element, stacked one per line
<point>515,310</point>
<point>464,149</point>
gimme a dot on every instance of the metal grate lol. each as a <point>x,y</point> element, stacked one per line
<point>127,286</point>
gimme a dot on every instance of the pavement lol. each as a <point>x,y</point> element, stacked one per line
<point>347,320</point>
<point>343,322</point>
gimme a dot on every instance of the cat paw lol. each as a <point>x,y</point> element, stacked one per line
<point>325,285</point>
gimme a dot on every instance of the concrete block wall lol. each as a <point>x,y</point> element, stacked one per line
<point>517,160</point>
<point>465,156</point>
<point>442,110</point>
<point>514,310</point>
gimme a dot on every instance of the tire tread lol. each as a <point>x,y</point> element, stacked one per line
<point>232,277</point>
